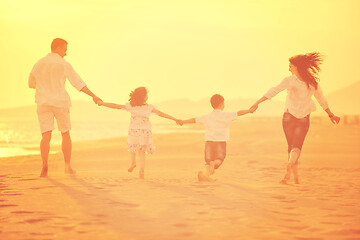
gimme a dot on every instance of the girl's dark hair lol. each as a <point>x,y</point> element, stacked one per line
<point>308,66</point>
<point>138,96</point>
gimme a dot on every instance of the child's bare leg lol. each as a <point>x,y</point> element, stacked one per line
<point>211,167</point>
<point>133,162</point>
<point>142,164</point>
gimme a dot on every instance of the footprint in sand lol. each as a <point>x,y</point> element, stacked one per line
<point>180,225</point>
<point>22,212</point>
<point>11,193</point>
<point>28,179</point>
<point>36,220</point>
<point>7,205</point>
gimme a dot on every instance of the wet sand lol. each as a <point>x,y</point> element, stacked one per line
<point>104,201</point>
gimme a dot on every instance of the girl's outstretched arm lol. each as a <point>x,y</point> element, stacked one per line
<point>111,105</point>
<point>164,115</point>
<point>190,120</point>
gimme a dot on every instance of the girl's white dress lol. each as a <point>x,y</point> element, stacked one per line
<point>140,135</point>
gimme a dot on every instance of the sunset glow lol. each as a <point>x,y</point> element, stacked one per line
<point>185,49</point>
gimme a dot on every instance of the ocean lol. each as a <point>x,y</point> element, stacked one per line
<point>22,137</point>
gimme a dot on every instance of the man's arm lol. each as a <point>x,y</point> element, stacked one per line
<point>87,91</point>
<point>32,81</point>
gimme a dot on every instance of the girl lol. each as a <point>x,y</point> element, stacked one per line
<point>299,104</point>
<point>139,136</point>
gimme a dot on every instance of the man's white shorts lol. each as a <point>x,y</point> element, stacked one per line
<point>46,115</point>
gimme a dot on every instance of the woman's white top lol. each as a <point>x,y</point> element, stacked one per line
<point>139,116</point>
<point>299,100</point>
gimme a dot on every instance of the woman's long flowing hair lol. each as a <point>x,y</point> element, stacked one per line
<point>308,66</point>
<point>138,97</point>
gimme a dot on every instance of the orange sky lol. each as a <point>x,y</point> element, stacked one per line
<point>178,49</point>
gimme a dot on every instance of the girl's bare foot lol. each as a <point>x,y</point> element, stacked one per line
<point>131,168</point>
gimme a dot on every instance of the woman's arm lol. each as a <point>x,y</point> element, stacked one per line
<point>324,104</point>
<point>111,105</point>
<point>272,92</point>
<point>334,119</point>
<point>256,104</point>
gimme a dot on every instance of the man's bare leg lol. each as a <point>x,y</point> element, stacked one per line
<point>66,146</point>
<point>44,150</point>
<point>133,162</point>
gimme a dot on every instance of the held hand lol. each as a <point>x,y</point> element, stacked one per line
<point>335,119</point>
<point>179,122</point>
<point>253,108</point>
<point>96,100</point>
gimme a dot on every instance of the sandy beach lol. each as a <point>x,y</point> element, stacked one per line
<point>246,201</point>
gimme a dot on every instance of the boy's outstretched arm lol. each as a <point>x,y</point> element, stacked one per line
<point>164,115</point>
<point>111,105</point>
<point>243,112</point>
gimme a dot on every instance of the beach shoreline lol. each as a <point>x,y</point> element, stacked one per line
<point>104,201</point>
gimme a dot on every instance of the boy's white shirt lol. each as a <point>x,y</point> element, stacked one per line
<point>299,100</point>
<point>217,124</point>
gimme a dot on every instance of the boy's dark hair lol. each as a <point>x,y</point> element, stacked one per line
<point>216,100</point>
<point>57,42</point>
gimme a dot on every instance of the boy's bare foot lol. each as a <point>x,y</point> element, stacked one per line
<point>69,170</point>
<point>44,172</point>
<point>131,168</point>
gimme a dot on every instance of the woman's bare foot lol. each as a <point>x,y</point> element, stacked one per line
<point>131,168</point>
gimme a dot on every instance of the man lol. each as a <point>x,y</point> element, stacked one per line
<point>48,78</point>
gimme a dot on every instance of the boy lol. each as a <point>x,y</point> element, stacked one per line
<point>217,134</point>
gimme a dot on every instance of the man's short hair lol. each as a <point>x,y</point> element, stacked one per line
<point>58,42</point>
<point>216,100</point>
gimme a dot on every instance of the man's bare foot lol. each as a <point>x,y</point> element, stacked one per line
<point>296,181</point>
<point>69,170</point>
<point>131,168</point>
<point>141,175</point>
<point>44,172</point>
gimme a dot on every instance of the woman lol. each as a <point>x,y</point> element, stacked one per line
<point>301,85</point>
